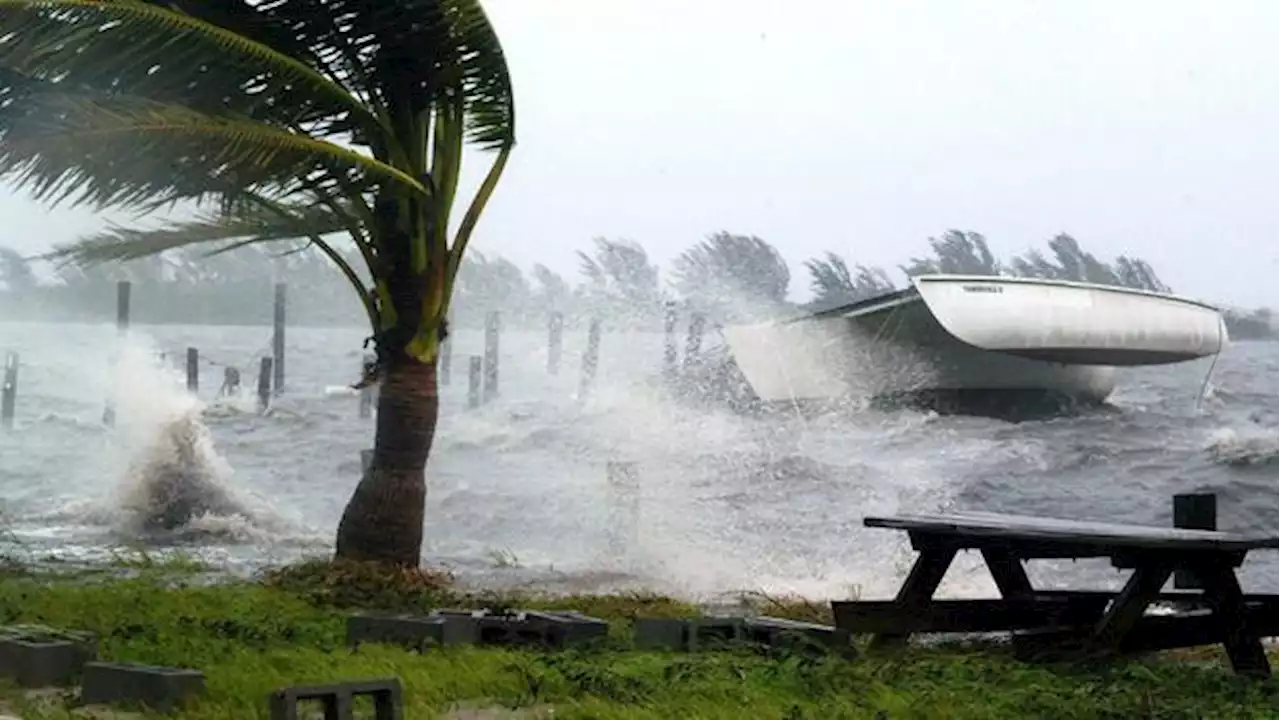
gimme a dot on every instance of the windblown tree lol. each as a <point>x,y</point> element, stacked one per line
<point>733,276</point>
<point>620,279</point>
<point>276,120</point>
<point>833,283</point>
<point>552,292</point>
<point>1070,261</point>
<point>487,283</point>
<point>958,253</point>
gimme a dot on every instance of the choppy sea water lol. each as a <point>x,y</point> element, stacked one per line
<point>518,492</point>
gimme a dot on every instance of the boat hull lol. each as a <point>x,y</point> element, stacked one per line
<point>897,352</point>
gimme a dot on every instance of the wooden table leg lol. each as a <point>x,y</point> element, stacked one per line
<point>917,590</point>
<point>1006,569</point>
<point>1142,588</point>
<point>1242,643</point>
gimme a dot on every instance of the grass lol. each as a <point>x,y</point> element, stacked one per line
<point>287,628</point>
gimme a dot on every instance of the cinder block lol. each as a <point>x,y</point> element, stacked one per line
<point>659,634</point>
<point>416,632</point>
<point>529,628</point>
<point>43,663</point>
<point>795,636</point>
<point>712,632</point>
<point>336,700</point>
<point>159,688</point>
<point>40,656</point>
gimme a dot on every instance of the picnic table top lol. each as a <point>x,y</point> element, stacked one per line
<point>978,527</point>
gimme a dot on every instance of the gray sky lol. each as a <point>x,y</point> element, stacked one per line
<point>1146,128</point>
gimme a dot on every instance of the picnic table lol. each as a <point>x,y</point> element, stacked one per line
<point>1090,622</point>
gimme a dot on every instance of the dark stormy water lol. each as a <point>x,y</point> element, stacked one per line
<point>518,491</point>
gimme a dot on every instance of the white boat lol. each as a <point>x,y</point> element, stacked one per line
<point>976,334</point>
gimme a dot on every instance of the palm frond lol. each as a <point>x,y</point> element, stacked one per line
<point>121,244</point>
<point>127,151</point>
<point>158,52</point>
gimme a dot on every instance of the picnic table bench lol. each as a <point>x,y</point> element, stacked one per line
<point>1090,622</point>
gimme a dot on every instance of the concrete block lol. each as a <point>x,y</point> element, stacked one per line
<point>528,628</point>
<point>158,688</point>
<point>713,632</point>
<point>43,663</point>
<point>336,701</point>
<point>795,636</point>
<point>39,656</point>
<point>659,634</point>
<point>416,632</point>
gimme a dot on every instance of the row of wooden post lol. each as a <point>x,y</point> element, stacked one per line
<point>270,370</point>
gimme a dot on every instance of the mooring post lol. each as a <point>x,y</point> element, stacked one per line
<point>555,338</point>
<point>230,382</point>
<point>624,506</point>
<point>277,339</point>
<point>444,363</point>
<point>693,345</point>
<point>366,392</point>
<point>123,291</point>
<point>491,325</point>
<point>475,368</point>
<point>669,355</point>
<point>193,369</point>
<point>366,461</point>
<point>264,383</point>
<point>9,390</point>
<point>1193,511</point>
<point>590,359</point>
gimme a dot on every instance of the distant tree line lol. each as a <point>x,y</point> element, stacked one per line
<point>730,277</point>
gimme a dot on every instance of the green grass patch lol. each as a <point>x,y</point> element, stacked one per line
<point>287,628</point>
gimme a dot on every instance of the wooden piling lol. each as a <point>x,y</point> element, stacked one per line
<point>444,363</point>
<point>230,382</point>
<point>624,506</point>
<point>124,291</point>
<point>555,339</point>
<point>590,359</point>
<point>277,339</point>
<point>1193,511</point>
<point>669,354</point>
<point>9,391</point>
<point>265,374</point>
<point>693,344</point>
<point>193,370</point>
<point>366,392</point>
<point>475,368</point>
<point>491,326</point>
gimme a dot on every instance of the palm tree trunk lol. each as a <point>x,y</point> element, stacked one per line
<point>383,520</point>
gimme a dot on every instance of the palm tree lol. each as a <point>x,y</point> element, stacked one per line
<point>277,120</point>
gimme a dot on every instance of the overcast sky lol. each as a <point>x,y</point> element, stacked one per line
<point>1146,128</point>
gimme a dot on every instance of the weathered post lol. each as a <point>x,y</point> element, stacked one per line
<point>9,390</point>
<point>230,382</point>
<point>624,506</point>
<point>555,336</point>
<point>491,356</point>
<point>444,364</point>
<point>590,359</point>
<point>277,339</point>
<point>366,392</point>
<point>669,354</point>
<point>693,344</point>
<point>1193,511</point>
<point>264,383</point>
<point>193,370</point>
<point>123,291</point>
<point>474,370</point>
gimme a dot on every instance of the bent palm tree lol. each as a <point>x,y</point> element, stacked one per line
<point>278,119</point>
